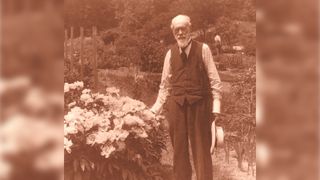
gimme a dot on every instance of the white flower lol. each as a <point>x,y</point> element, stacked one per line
<point>76,85</point>
<point>88,114</point>
<point>118,114</point>
<point>66,88</point>
<point>86,91</point>
<point>70,117</point>
<point>132,105</point>
<point>80,127</point>
<point>96,120</point>
<point>118,123</point>
<point>69,130</point>
<point>109,119</point>
<point>111,136</point>
<point>91,139</point>
<point>102,120</point>
<point>72,86</point>
<point>72,104</point>
<point>86,98</point>
<point>98,96</point>
<point>80,84</point>
<point>112,91</point>
<point>101,137</point>
<point>107,150</point>
<point>74,115</point>
<point>87,124</point>
<point>67,144</point>
<point>140,132</point>
<point>133,120</point>
<point>122,135</point>
<point>128,108</point>
<point>77,110</point>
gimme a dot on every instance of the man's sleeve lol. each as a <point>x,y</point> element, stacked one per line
<point>214,77</point>
<point>164,85</point>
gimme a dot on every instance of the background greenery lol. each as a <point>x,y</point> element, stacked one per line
<point>137,33</point>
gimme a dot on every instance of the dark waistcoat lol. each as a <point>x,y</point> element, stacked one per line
<point>189,79</point>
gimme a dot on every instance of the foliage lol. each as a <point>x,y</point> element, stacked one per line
<point>72,69</point>
<point>109,37</point>
<point>204,13</point>
<point>131,51</point>
<point>107,135</point>
<point>240,122</point>
<point>231,61</point>
<point>233,33</point>
<point>227,29</point>
<point>131,15</point>
<point>88,13</point>
<point>137,33</point>
<point>152,55</point>
<point>243,10</point>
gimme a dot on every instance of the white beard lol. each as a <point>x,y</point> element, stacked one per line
<point>183,42</point>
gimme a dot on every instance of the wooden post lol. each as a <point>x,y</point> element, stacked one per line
<point>94,33</point>
<point>81,52</point>
<point>71,48</point>
<point>65,44</point>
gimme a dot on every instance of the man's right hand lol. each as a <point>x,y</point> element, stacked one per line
<point>150,115</point>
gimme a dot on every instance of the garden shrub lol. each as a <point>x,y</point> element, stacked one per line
<point>108,136</point>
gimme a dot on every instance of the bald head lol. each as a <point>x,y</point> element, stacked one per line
<point>180,20</point>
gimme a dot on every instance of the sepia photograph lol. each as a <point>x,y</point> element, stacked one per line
<point>160,90</point>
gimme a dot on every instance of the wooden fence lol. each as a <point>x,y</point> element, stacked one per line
<point>69,51</point>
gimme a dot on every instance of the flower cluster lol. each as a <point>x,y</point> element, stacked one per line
<point>104,120</point>
<point>73,86</point>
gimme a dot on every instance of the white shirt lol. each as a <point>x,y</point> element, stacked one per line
<point>212,72</point>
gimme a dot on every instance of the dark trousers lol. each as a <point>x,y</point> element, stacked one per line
<point>190,123</point>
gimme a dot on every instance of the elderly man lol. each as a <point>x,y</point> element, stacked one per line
<point>190,87</point>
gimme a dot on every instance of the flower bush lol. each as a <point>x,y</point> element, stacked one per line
<point>109,136</point>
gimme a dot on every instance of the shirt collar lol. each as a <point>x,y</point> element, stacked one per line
<point>187,49</point>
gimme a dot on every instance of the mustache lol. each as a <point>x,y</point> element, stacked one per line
<point>182,37</point>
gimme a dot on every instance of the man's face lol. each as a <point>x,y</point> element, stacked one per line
<point>181,32</point>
